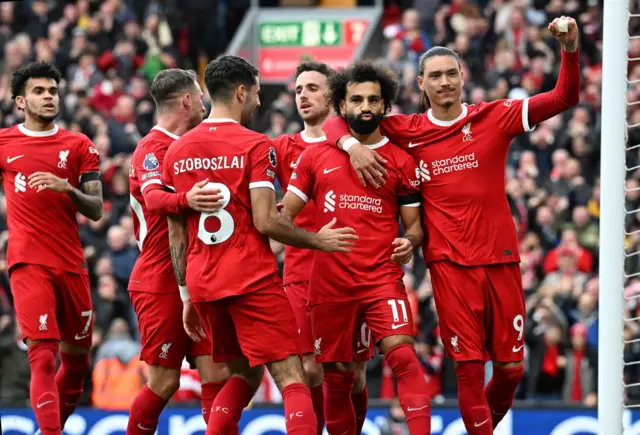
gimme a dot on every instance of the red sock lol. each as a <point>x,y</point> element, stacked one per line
<point>412,388</point>
<point>70,381</point>
<point>227,407</point>
<point>209,392</point>
<point>501,389</point>
<point>145,412</point>
<point>43,391</point>
<point>339,414</point>
<point>471,400</point>
<point>360,405</point>
<point>298,410</point>
<point>318,406</point>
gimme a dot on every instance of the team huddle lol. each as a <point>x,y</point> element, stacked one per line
<point>363,191</point>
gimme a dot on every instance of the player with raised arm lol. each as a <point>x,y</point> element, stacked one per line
<point>50,174</point>
<point>153,287</point>
<point>364,285</point>
<point>312,102</point>
<point>471,246</point>
<point>227,264</point>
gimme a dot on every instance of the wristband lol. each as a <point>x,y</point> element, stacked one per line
<point>349,143</point>
<point>184,294</point>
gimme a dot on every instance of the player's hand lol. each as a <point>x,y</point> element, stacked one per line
<point>569,39</point>
<point>204,199</point>
<point>403,252</point>
<point>369,165</point>
<point>191,321</point>
<point>336,240</point>
<point>44,180</point>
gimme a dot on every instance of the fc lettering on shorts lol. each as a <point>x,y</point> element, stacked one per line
<point>507,252</point>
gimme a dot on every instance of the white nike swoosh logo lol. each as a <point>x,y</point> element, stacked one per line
<point>411,144</point>
<point>417,409</point>
<point>396,326</point>
<point>517,349</point>
<point>144,428</point>
<point>362,350</point>
<point>40,405</point>
<point>326,171</point>
<point>11,159</point>
<point>293,164</point>
<point>81,337</point>
<point>480,424</point>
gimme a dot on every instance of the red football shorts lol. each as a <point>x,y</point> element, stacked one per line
<point>343,330</point>
<point>297,293</point>
<point>52,304</point>
<point>164,341</point>
<point>481,310</point>
<point>259,326</point>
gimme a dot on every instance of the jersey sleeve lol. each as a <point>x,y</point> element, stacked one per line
<point>263,161</point>
<point>89,158</point>
<point>408,193</point>
<point>402,130</point>
<point>148,168</point>
<point>166,177</point>
<point>511,116</point>
<point>302,180</point>
<point>281,145</point>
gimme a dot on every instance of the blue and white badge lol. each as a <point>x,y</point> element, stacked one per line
<point>150,162</point>
<point>272,157</point>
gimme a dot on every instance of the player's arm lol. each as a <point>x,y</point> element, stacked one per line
<point>87,199</point>
<point>279,227</point>
<point>160,199</point>
<point>292,205</point>
<point>413,234</point>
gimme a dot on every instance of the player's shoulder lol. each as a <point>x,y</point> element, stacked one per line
<point>394,151</point>
<point>78,139</point>
<point>9,134</point>
<point>412,119</point>
<point>155,141</point>
<point>495,106</point>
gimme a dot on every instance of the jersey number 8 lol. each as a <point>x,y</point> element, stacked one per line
<point>226,220</point>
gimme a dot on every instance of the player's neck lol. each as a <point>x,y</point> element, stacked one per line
<point>36,125</point>
<point>173,125</point>
<point>368,139</point>
<point>222,112</point>
<point>442,113</point>
<point>313,131</point>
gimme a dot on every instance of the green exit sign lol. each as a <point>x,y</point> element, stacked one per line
<point>307,33</point>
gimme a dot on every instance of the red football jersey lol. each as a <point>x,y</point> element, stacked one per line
<point>153,271</point>
<point>324,174</point>
<point>462,163</point>
<point>297,261</point>
<point>227,255</point>
<point>42,226</point>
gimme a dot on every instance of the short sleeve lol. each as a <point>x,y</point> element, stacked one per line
<point>409,194</point>
<point>148,168</point>
<point>512,116</point>
<point>263,162</point>
<point>302,180</point>
<point>89,158</point>
<point>166,177</point>
<point>281,145</point>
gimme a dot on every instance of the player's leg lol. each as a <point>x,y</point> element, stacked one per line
<point>75,320</point>
<point>163,347</point>
<point>335,331</point>
<point>33,289</point>
<point>505,333</point>
<point>392,326</point>
<point>212,375</point>
<point>237,392</point>
<point>360,395</point>
<point>297,293</point>
<point>269,312</point>
<point>459,294</point>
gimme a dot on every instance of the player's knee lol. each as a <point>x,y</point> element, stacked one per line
<point>508,365</point>
<point>313,370</point>
<point>73,349</point>
<point>210,371</point>
<point>388,343</point>
<point>342,367</point>
<point>287,371</point>
<point>164,381</point>
<point>360,380</point>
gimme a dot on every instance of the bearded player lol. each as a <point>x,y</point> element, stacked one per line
<point>153,288</point>
<point>312,101</point>
<point>230,273</point>
<point>50,174</point>
<point>364,285</point>
<point>472,249</point>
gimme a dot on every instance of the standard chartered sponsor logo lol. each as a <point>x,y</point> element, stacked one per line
<point>453,164</point>
<point>351,202</point>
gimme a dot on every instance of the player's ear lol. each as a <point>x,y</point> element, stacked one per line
<point>343,111</point>
<point>20,102</point>
<point>420,82</point>
<point>186,101</point>
<point>241,93</point>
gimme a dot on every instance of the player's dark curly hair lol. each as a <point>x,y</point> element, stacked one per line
<point>224,74</point>
<point>320,67</point>
<point>33,70</point>
<point>170,84</point>
<point>433,52</point>
<point>362,72</point>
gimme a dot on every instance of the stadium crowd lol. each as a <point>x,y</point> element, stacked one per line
<point>109,51</point>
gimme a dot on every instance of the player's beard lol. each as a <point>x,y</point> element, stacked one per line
<point>318,118</point>
<point>364,126</point>
<point>39,117</point>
